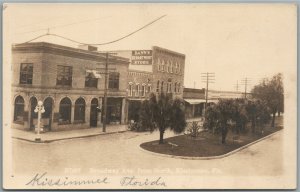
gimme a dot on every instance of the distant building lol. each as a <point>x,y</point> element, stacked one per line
<point>70,82</point>
<point>195,100</point>
<point>152,71</point>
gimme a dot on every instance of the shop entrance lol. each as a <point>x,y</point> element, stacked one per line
<point>94,113</point>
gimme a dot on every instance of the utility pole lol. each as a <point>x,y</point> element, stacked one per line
<point>236,86</point>
<point>207,78</point>
<point>246,82</point>
<point>105,94</point>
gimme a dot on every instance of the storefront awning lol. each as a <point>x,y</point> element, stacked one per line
<point>198,101</point>
<point>94,73</point>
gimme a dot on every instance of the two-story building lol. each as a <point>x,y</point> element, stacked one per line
<point>152,71</point>
<point>70,82</point>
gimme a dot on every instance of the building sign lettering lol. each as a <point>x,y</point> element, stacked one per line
<point>141,57</point>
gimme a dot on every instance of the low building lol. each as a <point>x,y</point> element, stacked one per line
<point>195,100</point>
<point>70,82</point>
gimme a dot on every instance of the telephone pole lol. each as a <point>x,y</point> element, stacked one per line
<point>246,82</point>
<point>207,78</point>
<point>236,86</point>
<point>105,94</point>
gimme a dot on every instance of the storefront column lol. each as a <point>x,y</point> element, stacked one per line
<point>72,113</point>
<point>123,112</point>
<point>87,114</point>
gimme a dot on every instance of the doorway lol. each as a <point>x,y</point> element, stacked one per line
<point>94,113</point>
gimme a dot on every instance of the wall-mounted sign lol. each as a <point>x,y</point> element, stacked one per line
<point>141,57</point>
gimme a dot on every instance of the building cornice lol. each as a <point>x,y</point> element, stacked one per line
<point>43,47</point>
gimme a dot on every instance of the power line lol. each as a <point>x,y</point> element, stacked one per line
<point>246,81</point>
<point>236,86</point>
<point>207,78</point>
<point>98,44</point>
<point>65,25</point>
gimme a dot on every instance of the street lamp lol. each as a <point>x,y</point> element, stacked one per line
<point>39,109</point>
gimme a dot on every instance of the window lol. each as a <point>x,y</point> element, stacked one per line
<point>162,86</point>
<point>130,90</point>
<point>157,87</point>
<point>65,111</point>
<point>171,67</point>
<point>64,75</point>
<point>175,87</point>
<point>158,64</point>
<point>168,67</point>
<point>178,89</point>
<point>19,109</point>
<point>170,88</point>
<point>137,90</point>
<point>176,68</point>
<point>91,80</point>
<point>79,113</point>
<point>26,73</point>
<point>143,90</point>
<point>113,82</point>
<point>149,88</point>
<point>163,65</point>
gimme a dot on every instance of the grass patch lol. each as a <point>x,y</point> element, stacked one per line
<point>206,144</point>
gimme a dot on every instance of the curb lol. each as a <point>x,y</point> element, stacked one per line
<point>70,138</point>
<point>210,157</point>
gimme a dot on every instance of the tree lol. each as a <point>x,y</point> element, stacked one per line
<point>163,112</point>
<point>218,116</point>
<point>270,92</point>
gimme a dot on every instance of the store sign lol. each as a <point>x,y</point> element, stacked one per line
<point>141,57</point>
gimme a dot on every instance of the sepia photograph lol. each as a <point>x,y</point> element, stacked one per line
<point>149,96</point>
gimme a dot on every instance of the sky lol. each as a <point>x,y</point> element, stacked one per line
<point>232,41</point>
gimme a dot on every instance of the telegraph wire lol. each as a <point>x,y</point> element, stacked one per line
<point>64,25</point>
<point>98,44</point>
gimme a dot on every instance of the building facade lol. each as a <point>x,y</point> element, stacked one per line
<point>70,82</point>
<point>152,71</point>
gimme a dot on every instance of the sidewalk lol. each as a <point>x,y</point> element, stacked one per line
<point>63,135</point>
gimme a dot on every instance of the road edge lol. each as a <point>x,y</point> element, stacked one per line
<point>210,157</point>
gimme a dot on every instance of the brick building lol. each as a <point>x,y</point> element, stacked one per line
<point>70,82</point>
<point>152,71</point>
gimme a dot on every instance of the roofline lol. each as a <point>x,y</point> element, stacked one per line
<point>168,50</point>
<point>70,49</point>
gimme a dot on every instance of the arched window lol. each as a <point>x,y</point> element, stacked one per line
<point>79,113</point>
<point>175,87</point>
<point>143,90</point>
<point>149,88</point>
<point>65,111</point>
<point>157,87</point>
<point>171,67</point>
<point>168,67</point>
<point>158,64</point>
<point>19,109</point>
<point>137,90</point>
<point>162,86</point>
<point>163,65</point>
<point>176,67</point>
